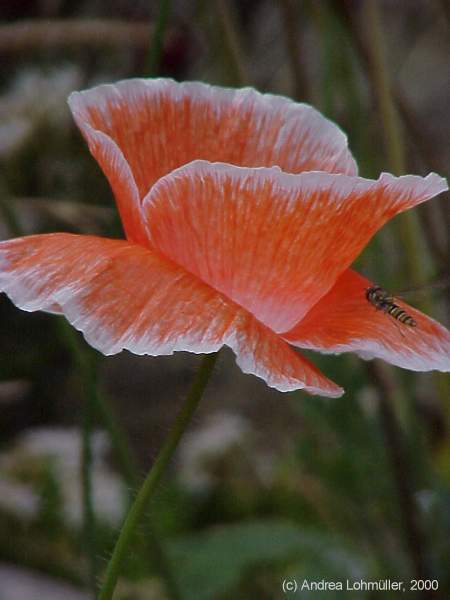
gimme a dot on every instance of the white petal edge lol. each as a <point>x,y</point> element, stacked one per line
<point>300,118</point>
<point>342,185</point>
<point>68,300</point>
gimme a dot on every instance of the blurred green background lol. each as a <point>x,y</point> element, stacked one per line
<point>265,486</point>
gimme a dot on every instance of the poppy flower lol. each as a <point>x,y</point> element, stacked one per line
<point>242,213</point>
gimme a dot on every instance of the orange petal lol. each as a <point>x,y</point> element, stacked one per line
<point>160,125</point>
<point>274,243</point>
<point>119,175</point>
<point>345,321</point>
<point>263,353</point>
<point>123,296</point>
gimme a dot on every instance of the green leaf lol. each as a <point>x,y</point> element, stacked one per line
<point>216,561</point>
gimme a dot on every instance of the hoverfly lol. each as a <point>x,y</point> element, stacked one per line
<point>382,300</point>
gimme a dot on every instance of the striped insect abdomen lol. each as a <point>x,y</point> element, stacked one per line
<point>401,315</point>
<point>381,300</point>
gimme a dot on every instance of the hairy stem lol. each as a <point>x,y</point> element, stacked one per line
<point>154,475</point>
<point>96,405</point>
<point>124,454</point>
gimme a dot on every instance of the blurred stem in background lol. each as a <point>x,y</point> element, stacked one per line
<point>430,158</point>
<point>88,372</point>
<point>329,58</point>
<point>231,47</point>
<point>423,145</point>
<point>8,213</point>
<point>336,57</point>
<point>95,404</point>
<point>88,376</point>
<point>410,234</point>
<point>395,150</point>
<point>401,471</point>
<point>157,470</point>
<point>156,46</point>
<point>290,16</point>
<point>388,390</point>
<point>409,227</point>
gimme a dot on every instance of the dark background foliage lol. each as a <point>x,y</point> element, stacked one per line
<point>266,486</point>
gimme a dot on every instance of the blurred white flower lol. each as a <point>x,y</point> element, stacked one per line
<point>427,500</point>
<point>13,134</point>
<point>367,398</point>
<point>26,584</point>
<point>35,96</point>
<point>61,442</point>
<point>203,447</point>
<point>61,449</point>
<point>18,499</point>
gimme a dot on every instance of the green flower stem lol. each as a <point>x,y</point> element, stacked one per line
<point>159,466</point>
<point>128,465</point>
<point>98,404</point>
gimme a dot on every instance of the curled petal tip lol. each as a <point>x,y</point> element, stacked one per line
<point>439,184</point>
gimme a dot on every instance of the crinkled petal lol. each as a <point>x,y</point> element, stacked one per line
<point>273,242</point>
<point>123,296</point>
<point>261,352</point>
<point>160,125</point>
<point>345,321</point>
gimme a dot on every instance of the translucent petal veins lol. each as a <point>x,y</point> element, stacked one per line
<point>344,321</point>
<point>160,125</point>
<point>272,242</point>
<point>242,213</point>
<point>123,296</point>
